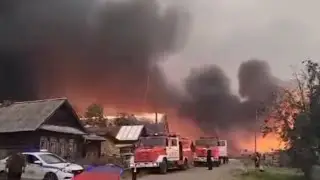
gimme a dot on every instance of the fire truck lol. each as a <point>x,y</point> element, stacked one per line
<point>217,147</point>
<point>162,152</point>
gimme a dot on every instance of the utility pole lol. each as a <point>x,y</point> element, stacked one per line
<point>255,132</point>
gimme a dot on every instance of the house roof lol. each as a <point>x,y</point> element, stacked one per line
<point>62,129</point>
<point>129,133</point>
<point>103,131</point>
<point>29,115</point>
<point>94,137</point>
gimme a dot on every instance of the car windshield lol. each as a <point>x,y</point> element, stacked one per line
<point>51,159</point>
<point>152,141</point>
<point>206,142</point>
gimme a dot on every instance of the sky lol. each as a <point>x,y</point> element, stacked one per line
<point>228,32</point>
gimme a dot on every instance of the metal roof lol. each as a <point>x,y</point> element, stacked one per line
<point>129,133</point>
<point>123,145</point>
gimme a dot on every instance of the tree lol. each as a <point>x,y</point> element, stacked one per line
<point>124,119</point>
<point>95,114</point>
<point>296,117</point>
<point>94,111</point>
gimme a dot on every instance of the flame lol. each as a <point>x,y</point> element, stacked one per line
<point>182,126</point>
<point>264,144</point>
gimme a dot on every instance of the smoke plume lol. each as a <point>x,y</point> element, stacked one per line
<point>210,102</point>
<point>110,51</point>
<point>106,50</point>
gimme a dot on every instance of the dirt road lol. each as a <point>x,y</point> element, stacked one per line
<point>224,172</point>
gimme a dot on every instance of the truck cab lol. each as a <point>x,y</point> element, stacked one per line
<point>223,150</point>
<point>161,152</point>
<point>202,145</point>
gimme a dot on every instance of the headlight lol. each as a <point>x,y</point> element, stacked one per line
<point>66,170</point>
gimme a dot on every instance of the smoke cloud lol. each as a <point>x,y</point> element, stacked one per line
<point>106,50</point>
<point>211,103</point>
<point>110,52</point>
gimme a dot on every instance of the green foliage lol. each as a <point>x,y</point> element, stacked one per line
<point>94,111</point>
<point>296,117</point>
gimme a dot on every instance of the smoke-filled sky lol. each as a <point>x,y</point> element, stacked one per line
<point>229,32</point>
<point>107,51</point>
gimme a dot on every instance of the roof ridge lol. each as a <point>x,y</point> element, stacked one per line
<point>41,100</point>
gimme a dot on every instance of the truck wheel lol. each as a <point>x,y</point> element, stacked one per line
<point>216,163</point>
<point>221,160</point>
<point>224,160</point>
<point>163,167</point>
<point>185,165</point>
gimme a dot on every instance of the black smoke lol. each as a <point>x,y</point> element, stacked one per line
<point>102,50</point>
<point>210,102</point>
<point>109,51</point>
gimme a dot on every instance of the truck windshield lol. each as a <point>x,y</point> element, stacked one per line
<point>206,142</point>
<point>152,141</point>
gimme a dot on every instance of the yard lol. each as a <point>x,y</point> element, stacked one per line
<point>273,174</point>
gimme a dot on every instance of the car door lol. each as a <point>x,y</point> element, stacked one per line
<point>33,170</point>
<point>173,149</point>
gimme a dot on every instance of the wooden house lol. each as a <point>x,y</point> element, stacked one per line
<point>49,124</point>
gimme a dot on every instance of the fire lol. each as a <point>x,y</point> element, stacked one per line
<point>264,144</point>
<point>184,126</point>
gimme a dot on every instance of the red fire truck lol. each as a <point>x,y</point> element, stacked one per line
<point>162,152</point>
<point>218,149</point>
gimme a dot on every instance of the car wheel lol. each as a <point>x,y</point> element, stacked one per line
<point>50,176</point>
<point>3,175</point>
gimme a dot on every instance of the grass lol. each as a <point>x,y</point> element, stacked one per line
<point>273,174</point>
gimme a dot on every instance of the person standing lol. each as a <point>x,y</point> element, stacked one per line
<point>209,160</point>
<point>15,166</point>
<point>257,160</point>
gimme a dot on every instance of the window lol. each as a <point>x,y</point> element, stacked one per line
<point>221,143</point>
<point>53,145</point>
<point>152,141</point>
<point>51,159</point>
<point>174,142</point>
<point>71,146</point>
<point>44,143</point>
<point>62,143</point>
<point>31,159</point>
<point>167,142</point>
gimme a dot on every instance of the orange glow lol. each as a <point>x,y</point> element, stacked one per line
<point>183,126</point>
<point>266,144</point>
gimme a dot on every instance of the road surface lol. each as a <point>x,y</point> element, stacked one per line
<point>224,172</point>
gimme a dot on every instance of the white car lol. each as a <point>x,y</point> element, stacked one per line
<point>45,165</point>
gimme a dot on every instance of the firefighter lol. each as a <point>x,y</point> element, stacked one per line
<point>209,160</point>
<point>134,174</point>
<point>257,160</point>
<point>15,166</point>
